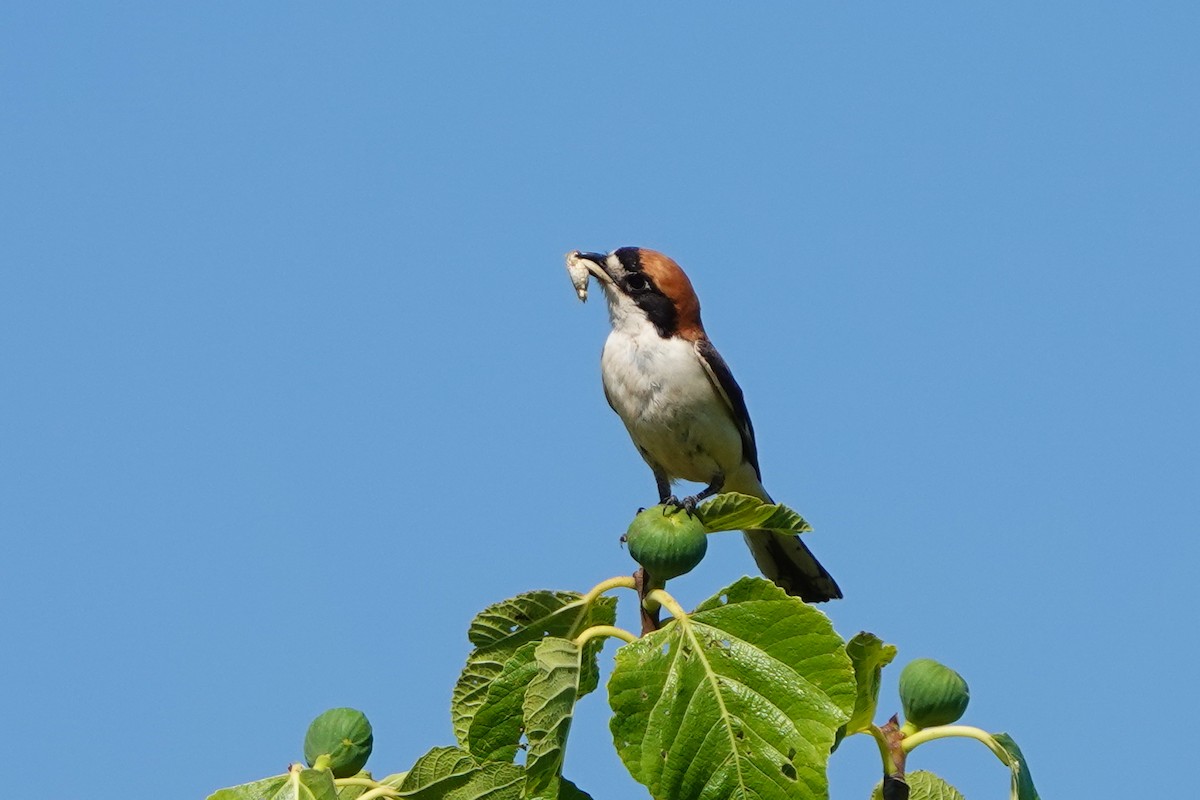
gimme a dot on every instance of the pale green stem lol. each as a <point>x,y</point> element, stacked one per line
<point>966,731</point>
<point>604,630</point>
<point>622,582</point>
<point>889,766</point>
<point>381,791</point>
<point>665,600</point>
<point>322,761</point>
<point>355,782</point>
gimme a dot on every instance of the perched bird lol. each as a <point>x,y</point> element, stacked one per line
<point>680,403</point>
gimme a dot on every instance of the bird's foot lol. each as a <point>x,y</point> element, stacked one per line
<point>687,504</point>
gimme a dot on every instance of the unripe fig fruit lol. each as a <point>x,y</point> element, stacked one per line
<point>666,541</point>
<point>932,693</point>
<point>345,735</point>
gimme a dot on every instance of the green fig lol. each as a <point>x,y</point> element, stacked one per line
<point>932,694</point>
<point>667,541</point>
<point>344,734</point>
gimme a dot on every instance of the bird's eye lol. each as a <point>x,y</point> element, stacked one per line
<point>637,282</point>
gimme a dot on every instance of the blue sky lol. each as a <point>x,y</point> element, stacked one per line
<point>295,382</point>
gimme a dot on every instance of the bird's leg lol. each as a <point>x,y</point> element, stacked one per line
<point>718,481</point>
<point>664,489</point>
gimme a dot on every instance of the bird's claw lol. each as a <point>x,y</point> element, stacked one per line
<point>687,504</point>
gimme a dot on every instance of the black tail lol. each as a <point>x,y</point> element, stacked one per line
<point>791,565</point>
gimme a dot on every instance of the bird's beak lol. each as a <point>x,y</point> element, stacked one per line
<point>581,266</point>
<point>596,264</point>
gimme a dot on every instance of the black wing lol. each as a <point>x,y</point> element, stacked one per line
<point>727,387</point>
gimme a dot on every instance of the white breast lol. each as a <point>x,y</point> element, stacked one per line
<point>668,403</point>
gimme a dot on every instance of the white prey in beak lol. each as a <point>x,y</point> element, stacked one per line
<point>580,267</point>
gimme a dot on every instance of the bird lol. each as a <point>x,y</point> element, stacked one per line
<point>679,401</point>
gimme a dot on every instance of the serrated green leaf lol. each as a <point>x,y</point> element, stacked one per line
<point>448,773</point>
<point>741,699</point>
<point>869,655</point>
<point>923,786</point>
<point>353,790</point>
<point>732,511</point>
<point>495,730</point>
<point>562,790</point>
<point>439,764</point>
<point>1022,781</point>
<point>532,615</point>
<point>569,791</point>
<point>299,784</point>
<point>548,710</point>
<point>501,629</point>
<point>785,520</point>
<point>470,692</point>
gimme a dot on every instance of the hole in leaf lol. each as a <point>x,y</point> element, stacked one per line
<point>723,599</point>
<point>791,754</point>
<point>788,771</point>
<point>664,755</point>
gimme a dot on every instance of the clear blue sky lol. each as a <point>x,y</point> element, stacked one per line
<point>294,382</point>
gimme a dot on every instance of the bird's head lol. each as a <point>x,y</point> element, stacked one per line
<point>644,287</point>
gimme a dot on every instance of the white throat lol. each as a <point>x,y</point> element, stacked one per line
<point>625,315</point>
